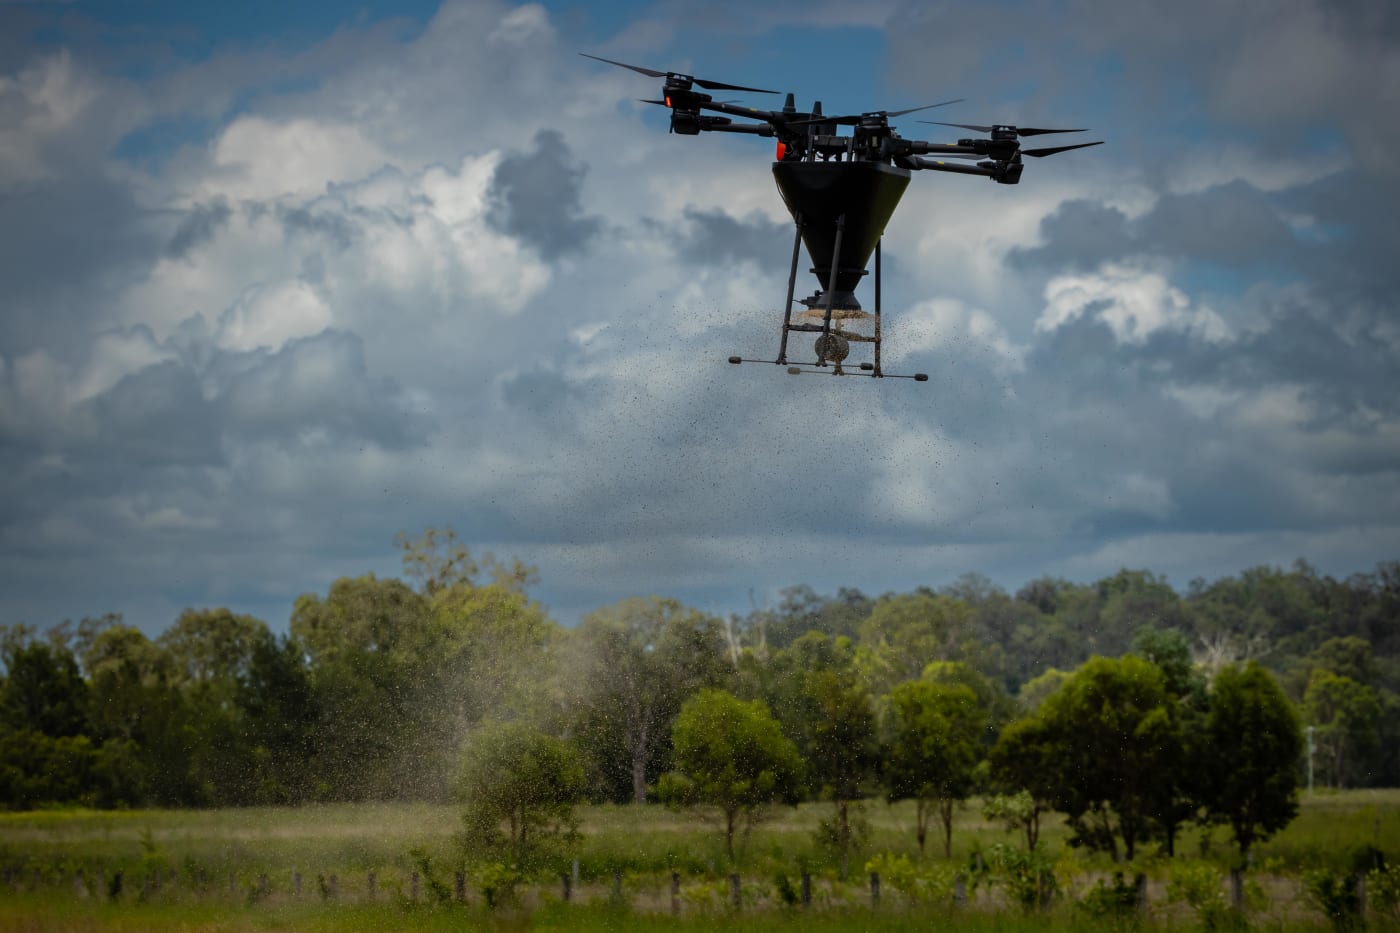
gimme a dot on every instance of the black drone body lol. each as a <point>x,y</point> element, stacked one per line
<point>841,191</point>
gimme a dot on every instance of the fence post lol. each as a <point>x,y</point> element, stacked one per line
<point>675,894</point>
<point>80,884</point>
<point>413,887</point>
<point>1237,889</point>
<point>334,885</point>
<point>114,890</point>
<point>575,873</point>
<point>460,882</point>
<point>959,890</point>
<point>264,888</point>
<point>874,889</point>
<point>373,884</point>
<point>232,883</point>
<point>806,889</point>
<point>567,884</point>
<point>296,882</point>
<point>734,891</point>
<point>1140,883</point>
<point>1360,890</point>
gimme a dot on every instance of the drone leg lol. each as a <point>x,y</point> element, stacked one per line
<point>878,374</point>
<point>831,284</point>
<point>792,283</point>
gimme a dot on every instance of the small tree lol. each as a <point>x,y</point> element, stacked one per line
<point>516,775</point>
<point>1253,743</point>
<point>730,755</point>
<point>933,749</point>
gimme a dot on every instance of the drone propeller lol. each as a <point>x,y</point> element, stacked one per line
<point>707,85</point>
<point>1051,150</point>
<point>1014,130</point>
<point>856,119</point>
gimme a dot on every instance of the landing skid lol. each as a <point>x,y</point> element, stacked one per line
<point>829,339</point>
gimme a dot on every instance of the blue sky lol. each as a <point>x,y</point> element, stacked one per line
<point>283,281</point>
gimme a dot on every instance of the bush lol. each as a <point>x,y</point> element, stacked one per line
<point>1200,886</point>
<point>1334,896</point>
<point>1117,901</point>
<point>1027,877</point>
<point>1383,892</point>
<point>927,883</point>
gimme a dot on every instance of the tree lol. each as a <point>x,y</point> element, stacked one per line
<point>43,691</point>
<point>733,756</point>
<point>1346,716</point>
<point>934,733</point>
<point>1253,743</point>
<point>639,661</point>
<point>516,775</point>
<point>1117,731</point>
<point>1027,760</point>
<point>906,633</point>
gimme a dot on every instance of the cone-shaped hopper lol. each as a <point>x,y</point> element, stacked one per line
<point>820,192</point>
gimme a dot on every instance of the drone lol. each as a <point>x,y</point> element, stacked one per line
<point>841,191</point>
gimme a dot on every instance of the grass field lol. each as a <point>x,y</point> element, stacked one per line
<point>202,870</point>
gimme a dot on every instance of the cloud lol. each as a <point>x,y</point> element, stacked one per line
<point>402,278</point>
<point>535,197</point>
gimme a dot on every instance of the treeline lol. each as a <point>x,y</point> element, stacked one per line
<point>379,683</point>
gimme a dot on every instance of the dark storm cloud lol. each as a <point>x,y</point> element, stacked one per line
<point>66,246</point>
<point>715,238</point>
<point>1234,224</point>
<point>315,383</point>
<point>536,197</point>
<point>156,417</point>
<point>198,227</point>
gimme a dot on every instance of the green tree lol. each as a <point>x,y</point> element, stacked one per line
<point>733,756</point>
<point>934,732</point>
<point>637,663</point>
<point>277,710</point>
<point>1346,717</point>
<point>42,691</point>
<point>1117,731</point>
<point>1027,760</point>
<point>906,633</point>
<point>515,776</point>
<point>1253,743</point>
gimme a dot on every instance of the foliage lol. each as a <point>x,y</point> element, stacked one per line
<point>932,751</point>
<point>1111,739</point>
<point>732,756</point>
<point>921,882</point>
<point>513,774</point>
<point>1253,743</point>
<point>1199,885</point>
<point>1112,900</point>
<point>1335,896</point>
<point>1027,877</point>
<point>637,661</point>
<point>1383,892</point>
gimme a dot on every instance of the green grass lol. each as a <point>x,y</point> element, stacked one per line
<point>201,849</point>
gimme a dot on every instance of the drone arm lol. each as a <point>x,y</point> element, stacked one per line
<point>1002,172</point>
<point>755,129</point>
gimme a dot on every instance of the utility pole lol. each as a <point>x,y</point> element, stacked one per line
<point>1312,747</point>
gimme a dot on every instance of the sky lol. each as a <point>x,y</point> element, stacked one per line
<point>283,280</point>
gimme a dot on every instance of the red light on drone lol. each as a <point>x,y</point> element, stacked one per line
<point>782,150</point>
<point>668,100</point>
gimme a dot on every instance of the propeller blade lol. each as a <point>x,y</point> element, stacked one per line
<point>1027,131</point>
<point>1020,131</point>
<point>1051,150</point>
<point>637,68</point>
<point>653,73</point>
<point>855,119</point>
<point>966,126</point>
<point>900,113</point>
<point>721,86</point>
<point>642,100</point>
